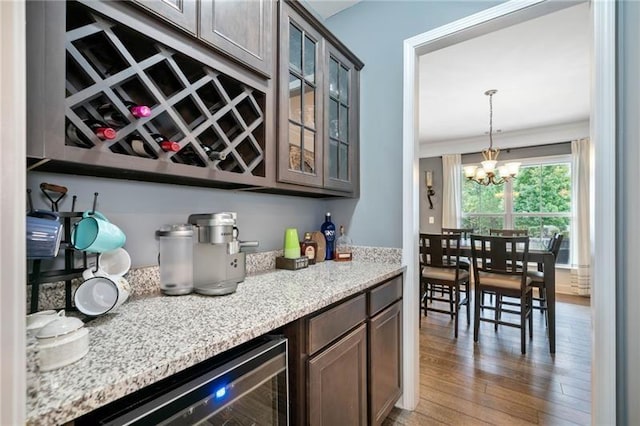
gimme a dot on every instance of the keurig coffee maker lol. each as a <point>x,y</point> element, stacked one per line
<point>218,263</point>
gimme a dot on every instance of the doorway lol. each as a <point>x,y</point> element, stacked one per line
<point>602,210</point>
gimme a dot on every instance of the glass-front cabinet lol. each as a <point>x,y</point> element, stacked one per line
<point>341,117</point>
<point>318,125</point>
<point>300,146</point>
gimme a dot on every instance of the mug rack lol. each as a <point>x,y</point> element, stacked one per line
<point>69,272</point>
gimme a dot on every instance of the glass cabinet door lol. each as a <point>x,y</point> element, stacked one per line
<point>341,110</point>
<point>300,130</point>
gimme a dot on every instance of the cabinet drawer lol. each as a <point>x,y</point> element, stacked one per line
<point>385,294</point>
<point>329,325</point>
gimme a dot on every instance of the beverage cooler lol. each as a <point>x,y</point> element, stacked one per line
<point>247,385</point>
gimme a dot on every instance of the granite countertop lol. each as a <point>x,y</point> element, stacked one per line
<point>150,338</point>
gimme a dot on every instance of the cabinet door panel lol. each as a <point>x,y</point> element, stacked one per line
<point>241,28</point>
<point>182,13</point>
<point>385,352</point>
<point>341,117</point>
<point>301,50</point>
<point>337,382</point>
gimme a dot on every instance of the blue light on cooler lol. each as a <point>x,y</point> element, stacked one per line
<point>221,392</point>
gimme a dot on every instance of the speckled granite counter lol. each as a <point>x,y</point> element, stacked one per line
<point>154,337</point>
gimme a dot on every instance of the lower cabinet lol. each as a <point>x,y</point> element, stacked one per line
<point>385,361</point>
<point>338,382</point>
<point>345,361</point>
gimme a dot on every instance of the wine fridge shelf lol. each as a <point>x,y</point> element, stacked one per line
<point>218,121</point>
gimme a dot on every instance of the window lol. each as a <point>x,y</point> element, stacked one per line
<point>538,200</point>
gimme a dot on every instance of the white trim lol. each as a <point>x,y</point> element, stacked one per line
<point>12,214</point>
<point>410,230</point>
<point>516,139</point>
<point>603,134</point>
<point>603,209</point>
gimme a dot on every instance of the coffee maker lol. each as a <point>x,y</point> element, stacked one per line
<point>218,263</point>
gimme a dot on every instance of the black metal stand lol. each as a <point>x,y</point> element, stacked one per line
<point>67,274</point>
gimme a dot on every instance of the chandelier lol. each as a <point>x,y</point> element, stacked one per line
<point>486,174</point>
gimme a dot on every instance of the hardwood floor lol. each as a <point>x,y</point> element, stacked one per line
<point>493,383</point>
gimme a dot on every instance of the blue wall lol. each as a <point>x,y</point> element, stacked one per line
<point>140,208</point>
<point>375,31</point>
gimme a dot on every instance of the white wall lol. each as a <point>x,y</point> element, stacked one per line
<point>375,31</point>
<point>628,229</point>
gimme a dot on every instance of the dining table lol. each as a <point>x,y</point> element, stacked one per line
<point>548,261</point>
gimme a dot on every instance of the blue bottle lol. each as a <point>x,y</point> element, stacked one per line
<point>329,231</point>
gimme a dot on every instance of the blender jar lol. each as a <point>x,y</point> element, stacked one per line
<point>176,259</point>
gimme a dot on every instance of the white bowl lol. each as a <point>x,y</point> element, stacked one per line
<point>38,320</point>
<point>62,342</point>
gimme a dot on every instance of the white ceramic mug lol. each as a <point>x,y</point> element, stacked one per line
<point>114,263</point>
<point>99,295</point>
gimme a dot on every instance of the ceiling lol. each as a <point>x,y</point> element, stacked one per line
<point>541,69</point>
<point>327,8</point>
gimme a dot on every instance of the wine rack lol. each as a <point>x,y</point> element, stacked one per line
<point>218,121</point>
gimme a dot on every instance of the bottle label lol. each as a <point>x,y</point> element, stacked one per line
<point>330,234</point>
<point>310,252</point>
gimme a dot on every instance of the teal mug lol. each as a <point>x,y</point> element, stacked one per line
<point>95,234</point>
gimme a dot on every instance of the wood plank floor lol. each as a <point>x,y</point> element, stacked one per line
<point>493,383</point>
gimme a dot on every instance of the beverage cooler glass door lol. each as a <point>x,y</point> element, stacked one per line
<point>250,389</point>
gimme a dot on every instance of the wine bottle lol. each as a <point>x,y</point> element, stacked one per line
<point>329,231</point>
<point>140,147</point>
<point>213,155</point>
<point>114,118</point>
<point>166,144</point>
<point>101,130</point>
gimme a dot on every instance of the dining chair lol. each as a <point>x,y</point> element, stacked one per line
<point>505,233</point>
<point>495,271</point>
<point>465,262</point>
<point>537,277</point>
<point>440,266</point>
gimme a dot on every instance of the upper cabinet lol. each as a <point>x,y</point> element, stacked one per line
<point>318,105</point>
<point>242,29</point>
<point>300,98</point>
<point>183,13</point>
<point>115,92</point>
<point>341,118</point>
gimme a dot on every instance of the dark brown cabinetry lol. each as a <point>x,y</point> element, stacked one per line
<point>182,13</point>
<point>206,80</point>
<point>242,29</point>
<point>345,362</point>
<point>318,99</point>
<point>109,56</point>
<point>385,380</point>
<point>338,382</point>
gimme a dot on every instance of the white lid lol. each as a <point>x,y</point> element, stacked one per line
<point>59,327</point>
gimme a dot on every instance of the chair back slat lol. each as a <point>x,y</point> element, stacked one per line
<point>464,232</point>
<point>442,251</point>
<point>502,255</point>
<point>509,232</point>
<point>554,244</point>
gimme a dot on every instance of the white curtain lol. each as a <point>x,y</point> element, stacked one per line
<point>451,190</point>
<point>581,257</point>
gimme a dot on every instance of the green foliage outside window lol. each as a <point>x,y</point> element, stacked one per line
<point>540,202</point>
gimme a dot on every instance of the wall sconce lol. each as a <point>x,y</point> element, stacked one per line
<point>428,180</point>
